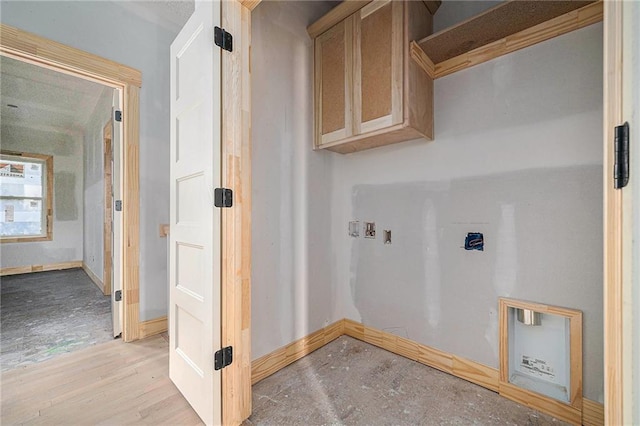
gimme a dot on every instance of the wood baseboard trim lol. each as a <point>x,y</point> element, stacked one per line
<point>153,327</point>
<point>474,372</point>
<point>40,268</point>
<point>270,363</point>
<point>592,413</point>
<point>97,281</point>
<point>460,367</point>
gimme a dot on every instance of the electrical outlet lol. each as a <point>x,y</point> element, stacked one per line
<point>369,229</point>
<point>386,236</point>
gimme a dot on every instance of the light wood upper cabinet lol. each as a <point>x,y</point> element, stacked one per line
<point>334,70</point>
<point>369,91</point>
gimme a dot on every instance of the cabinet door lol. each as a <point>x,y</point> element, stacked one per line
<point>333,81</point>
<point>378,60</point>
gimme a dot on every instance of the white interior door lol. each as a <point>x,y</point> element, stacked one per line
<point>195,252</point>
<point>117,305</point>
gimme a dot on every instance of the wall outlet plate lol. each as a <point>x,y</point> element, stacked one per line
<point>354,229</point>
<point>369,229</point>
<point>386,236</point>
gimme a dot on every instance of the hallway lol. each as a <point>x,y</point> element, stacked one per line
<point>49,313</point>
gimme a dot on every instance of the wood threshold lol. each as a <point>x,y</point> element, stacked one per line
<point>474,372</point>
<point>52,55</point>
<point>16,270</point>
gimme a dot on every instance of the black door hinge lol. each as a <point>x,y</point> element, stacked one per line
<point>222,358</point>
<point>621,148</point>
<point>223,197</point>
<point>118,295</point>
<point>223,39</point>
<point>118,115</point>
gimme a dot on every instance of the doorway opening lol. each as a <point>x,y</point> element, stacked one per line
<point>125,82</point>
<point>53,216</point>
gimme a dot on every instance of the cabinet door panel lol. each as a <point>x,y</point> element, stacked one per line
<point>378,66</point>
<point>333,94</point>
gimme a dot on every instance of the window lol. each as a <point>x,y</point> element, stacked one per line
<point>26,192</point>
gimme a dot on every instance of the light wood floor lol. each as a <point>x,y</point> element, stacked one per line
<point>110,383</point>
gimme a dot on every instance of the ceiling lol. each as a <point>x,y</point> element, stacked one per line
<point>170,14</point>
<point>45,99</point>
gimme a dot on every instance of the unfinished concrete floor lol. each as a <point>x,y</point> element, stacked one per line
<point>353,383</point>
<point>48,313</point>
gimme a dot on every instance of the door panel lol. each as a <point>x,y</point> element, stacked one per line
<point>378,66</point>
<point>333,62</point>
<point>117,307</point>
<point>194,253</point>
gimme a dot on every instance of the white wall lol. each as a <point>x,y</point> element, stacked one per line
<point>109,30</point>
<point>517,156</point>
<point>291,211</point>
<point>66,149</point>
<point>93,178</point>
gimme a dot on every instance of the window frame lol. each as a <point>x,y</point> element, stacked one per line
<point>47,197</point>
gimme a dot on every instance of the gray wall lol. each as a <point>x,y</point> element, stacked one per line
<point>517,156</point>
<point>66,149</point>
<point>291,211</point>
<point>109,30</point>
<point>93,178</point>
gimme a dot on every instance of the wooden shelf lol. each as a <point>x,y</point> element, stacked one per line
<point>502,29</point>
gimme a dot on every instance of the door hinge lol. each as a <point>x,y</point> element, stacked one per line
<point>223,39</point>
<point>621,148</point>
<point>118,115</point>
<point>118,295</point>
<point>118,205</point>
<point>222,358</point>
<point>223,197</point>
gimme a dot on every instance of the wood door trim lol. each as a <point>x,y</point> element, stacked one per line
<point>108,208</point>
<point>616,349</point>
<point>236,221</point>
<point>40,51</point>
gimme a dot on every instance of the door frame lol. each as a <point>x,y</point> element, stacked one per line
<point>108,207</point>
<point>40,51</point>
<point>236,221</point>
<point>618,223</point>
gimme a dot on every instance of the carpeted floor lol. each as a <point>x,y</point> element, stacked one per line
<point>48,313</point>
<point>349,382</point>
